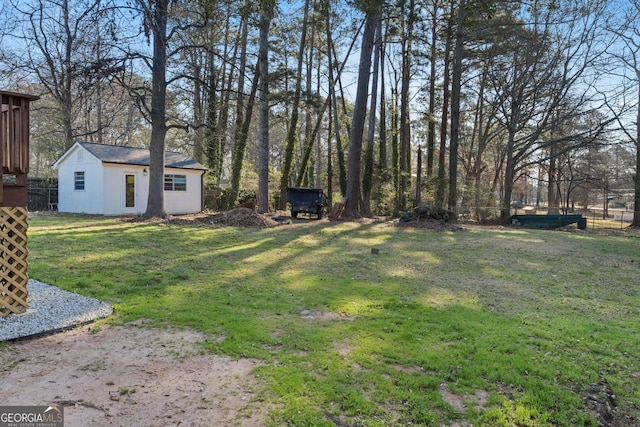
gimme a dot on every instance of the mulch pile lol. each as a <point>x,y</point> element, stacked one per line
<point>244,217</point>
<point>240,217</point>
<point>430,224</point>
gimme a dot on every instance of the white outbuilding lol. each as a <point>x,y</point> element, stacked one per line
<point>114,180</point>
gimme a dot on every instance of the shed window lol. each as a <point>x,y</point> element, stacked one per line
<point>175,182</point>
<point>78,180</point>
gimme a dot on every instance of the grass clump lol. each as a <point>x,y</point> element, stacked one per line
<point>529,319</point>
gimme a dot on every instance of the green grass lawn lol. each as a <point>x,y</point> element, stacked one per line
<point>527,327</point>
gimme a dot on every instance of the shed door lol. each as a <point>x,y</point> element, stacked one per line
<point>130,191</point>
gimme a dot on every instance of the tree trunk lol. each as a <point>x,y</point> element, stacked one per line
<point>212,136</point>
<point>305,163</point>
<point>224,105</point>
<point>312,135</point>
<point>240,144</point>
<point>68,78</point>
<point>510,168</point>
<point>395,152</point>
<point>98,101</point>
<point>405,124</point>
<point>552,195</point>
<point>329,160</point>
<point>636,179</point>
<point>418,199</point>
<point>238,153</point>
<point>343,103</point>
<point>509,175</point>
<point>198,112</point>
<point>319,157</point>
<point>158,24</point>
<point>478,139</point>
<point>456,83</point>
<point>292,133</point>
<point>307,169</point>
<point>367,181</point>
<point>352,208</point>
<point>445,116</point>
<point>383,161</point>
<point>263,62</point>
<point>431,114</point>
<point>242,72</point>
<point>605,201</point>
<point>342,172</point>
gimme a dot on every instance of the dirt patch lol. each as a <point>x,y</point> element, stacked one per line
<point>130,376</point>
<point>602,400</point>
<point>460,402</point>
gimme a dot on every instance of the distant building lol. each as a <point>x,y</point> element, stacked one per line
<point>114,180</point>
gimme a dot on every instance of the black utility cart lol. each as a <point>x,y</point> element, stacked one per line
<point>306,200</point>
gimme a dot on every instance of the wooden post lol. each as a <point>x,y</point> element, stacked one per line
<point>14,160</point>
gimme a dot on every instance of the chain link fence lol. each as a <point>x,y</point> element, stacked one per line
<point>42,195</point>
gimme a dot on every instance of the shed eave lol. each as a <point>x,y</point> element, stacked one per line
<point>67,153</point>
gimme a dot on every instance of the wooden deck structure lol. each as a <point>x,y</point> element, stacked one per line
<point>14,159</point>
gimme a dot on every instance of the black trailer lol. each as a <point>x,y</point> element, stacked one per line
<point>306,200</point>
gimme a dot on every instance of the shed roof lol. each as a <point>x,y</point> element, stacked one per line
<point>137,156</point>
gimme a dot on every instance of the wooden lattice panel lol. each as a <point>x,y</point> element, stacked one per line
<point>13,260</point>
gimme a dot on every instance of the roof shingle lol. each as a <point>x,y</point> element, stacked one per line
<point>138,156</point>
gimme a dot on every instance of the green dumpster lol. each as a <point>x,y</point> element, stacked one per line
<point>549,221</point>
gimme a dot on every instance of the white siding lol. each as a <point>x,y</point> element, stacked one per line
<point>115,185</point>
<point>105,187</point>
<point>184,202</point>
<point>88,200</point>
